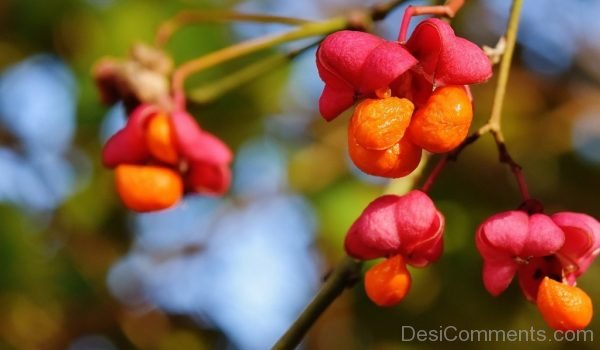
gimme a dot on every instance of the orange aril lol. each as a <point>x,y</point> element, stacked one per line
<point>146,188</point>
<point>388,282</point>
<point>160,139</point>
<point>443,123</point>
<point>399,160</point>
<point>564,307</point>
<point>378,124</point>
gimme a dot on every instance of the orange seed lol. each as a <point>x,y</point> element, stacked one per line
<point>388,282</point>
<point>443,123</point>
<point>146,188</point>
<point>397,161</point>
<point>378,124</point>
<point>160,139</point>
<point>564,307</point>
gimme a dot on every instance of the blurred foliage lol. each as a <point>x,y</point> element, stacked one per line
<point>53,291</point>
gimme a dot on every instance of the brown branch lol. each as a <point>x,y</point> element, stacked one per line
<point>345,275</point>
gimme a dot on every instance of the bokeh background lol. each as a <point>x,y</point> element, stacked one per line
<point>78,271</point>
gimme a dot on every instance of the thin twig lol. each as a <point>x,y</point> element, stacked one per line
<point>493,125</point>
<point>515,168</point>
<point>213,90</point>
<point>511,39</point>
<point>248,47</point>
<point>498,103</point>
<point>452,156</point>
<point>305,30</point>
<point>169,27</point>
<point>449,9</point>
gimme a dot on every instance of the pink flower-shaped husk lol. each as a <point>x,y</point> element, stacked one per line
<point>414,87</point>
<point>197,145</point>
<point>355,63</point>
<point>580,248</point>
<point>206,157</point>
<point>533,272</point>
<point>408,225</point>
<point>507,240</point>
<point>208,178</point>
<point>128,145</point>
<point>582,241</point>
<point>446,59</point>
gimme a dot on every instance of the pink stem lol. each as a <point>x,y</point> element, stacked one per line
<point>408,13</point>
<point>435,173</point>
<point>178,100</point>
<point>449,9</point>
<point>522,183</point>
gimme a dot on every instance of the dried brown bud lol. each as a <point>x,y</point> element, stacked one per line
<point>143,77</point>
<point>151,58</point>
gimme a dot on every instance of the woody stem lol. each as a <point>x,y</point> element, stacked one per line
<point>499,95</point>
<point>505,63</point>
<point>515,168</point>
<point>434,174</point>
<point>344,275</point>
<point>493,125</point>
<point>247,47</point>
<point>213,90</point>
<point>169,27</point>
<point>452,156</point>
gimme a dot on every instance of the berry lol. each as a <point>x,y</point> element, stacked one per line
<point>443,123</point>
<point>397,161</point>
<point>377,124</point>
<point>146,188</point>
<point>564,307</point>
<point>388,282</point>
<point>160,139</point>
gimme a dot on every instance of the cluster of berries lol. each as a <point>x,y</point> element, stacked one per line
<point>161,153</point>
<point>414,96</point>
<point>547,253</point>
<point>159,156</point>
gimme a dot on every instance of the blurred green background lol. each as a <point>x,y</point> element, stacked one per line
<point>80,272</point>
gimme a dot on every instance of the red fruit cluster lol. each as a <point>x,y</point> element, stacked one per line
<point>414,95</point>
<point>547,253</point>
<point>403,229</point>
<point>159,157</point>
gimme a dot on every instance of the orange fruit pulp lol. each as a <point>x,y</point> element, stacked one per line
<point>564,307</point>
<point>161,140</point>
<point>399,160</point>
<point>378,124</point>
<point>388,282</point>
<point>376,141</point>
<point>443,123</point>
<point>146,188</point>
